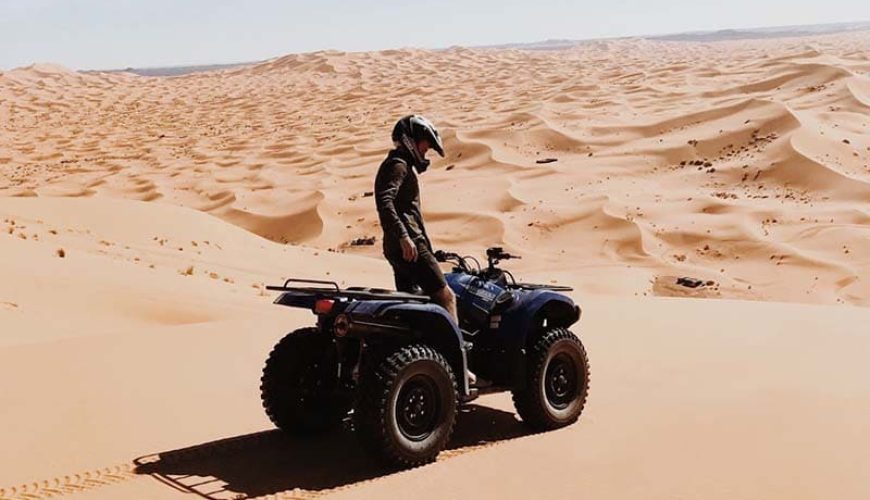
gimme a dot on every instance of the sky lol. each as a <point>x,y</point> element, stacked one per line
<point>114,34</point>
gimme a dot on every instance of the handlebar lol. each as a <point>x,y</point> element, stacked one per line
<point>498,253</point>
<point>493,256</point>
<point>492,253</point>
<point>442,256</point>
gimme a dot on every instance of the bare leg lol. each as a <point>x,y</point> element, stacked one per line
<point>446,299</point>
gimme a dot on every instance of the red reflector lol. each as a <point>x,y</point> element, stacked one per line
<point>323,306</point>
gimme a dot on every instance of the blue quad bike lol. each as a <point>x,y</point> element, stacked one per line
<point>399,365</point>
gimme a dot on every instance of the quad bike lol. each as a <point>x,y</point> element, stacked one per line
<point>400,364</point>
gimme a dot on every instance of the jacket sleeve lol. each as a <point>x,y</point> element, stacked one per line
<point>389,179</point>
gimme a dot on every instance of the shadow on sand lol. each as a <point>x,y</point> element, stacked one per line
<point>269,462</point>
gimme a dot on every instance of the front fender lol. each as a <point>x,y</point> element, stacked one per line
<point>524,316</point>
<point>530,308</point>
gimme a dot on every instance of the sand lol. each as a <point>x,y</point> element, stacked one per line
<point>140,218</point>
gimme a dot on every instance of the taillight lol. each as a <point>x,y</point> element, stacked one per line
<point>323,306</point>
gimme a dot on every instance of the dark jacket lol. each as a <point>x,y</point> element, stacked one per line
<point>397,197</point>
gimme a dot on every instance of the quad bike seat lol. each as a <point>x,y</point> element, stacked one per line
<point>367,289</point>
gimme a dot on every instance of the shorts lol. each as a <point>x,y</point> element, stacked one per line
<point>423,273</point>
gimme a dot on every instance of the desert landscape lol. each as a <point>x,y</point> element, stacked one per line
<point>143,216</point>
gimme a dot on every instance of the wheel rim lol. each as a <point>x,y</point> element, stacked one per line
<point>418,408</point>
<point>561,381</point>
<point>308,382</point>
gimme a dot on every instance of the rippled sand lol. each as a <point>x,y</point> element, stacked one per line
<point>141,217</point>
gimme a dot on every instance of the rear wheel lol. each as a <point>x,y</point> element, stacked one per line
<point>299,388</point>
<point>557,381</point>
<point>407,406</point>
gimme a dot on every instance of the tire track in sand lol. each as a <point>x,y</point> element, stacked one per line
<point>70,483</point>
<point>173,469</point>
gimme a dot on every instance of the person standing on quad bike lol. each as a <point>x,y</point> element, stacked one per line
<point>397,195</point>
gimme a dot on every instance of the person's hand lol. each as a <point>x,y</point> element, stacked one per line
<point>409,249</point>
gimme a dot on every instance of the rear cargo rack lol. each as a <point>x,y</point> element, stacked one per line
<point>300,280</point>
<point>330,289</point>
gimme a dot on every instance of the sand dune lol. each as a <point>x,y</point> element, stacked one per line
<point>140,218</point>
<point>136,356</point>
<point>669,132</point>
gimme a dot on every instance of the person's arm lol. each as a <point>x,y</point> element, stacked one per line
<point>387,184</point>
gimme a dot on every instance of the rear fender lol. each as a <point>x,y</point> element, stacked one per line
<point>429,323</point>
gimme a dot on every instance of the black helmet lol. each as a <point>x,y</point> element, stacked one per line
<point>413,128</point>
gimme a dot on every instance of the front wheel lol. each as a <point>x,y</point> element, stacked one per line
<point>557,381</point>
<point>407,406</point>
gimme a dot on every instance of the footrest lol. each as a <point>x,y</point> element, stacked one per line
<point>472,394</point>
<point>467,333</point>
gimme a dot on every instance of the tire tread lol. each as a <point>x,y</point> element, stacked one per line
<point>302,345</point>
<point>371,417</point>
<point>529,401</point>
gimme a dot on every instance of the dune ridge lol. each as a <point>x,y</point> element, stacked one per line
<point>671,133</point>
